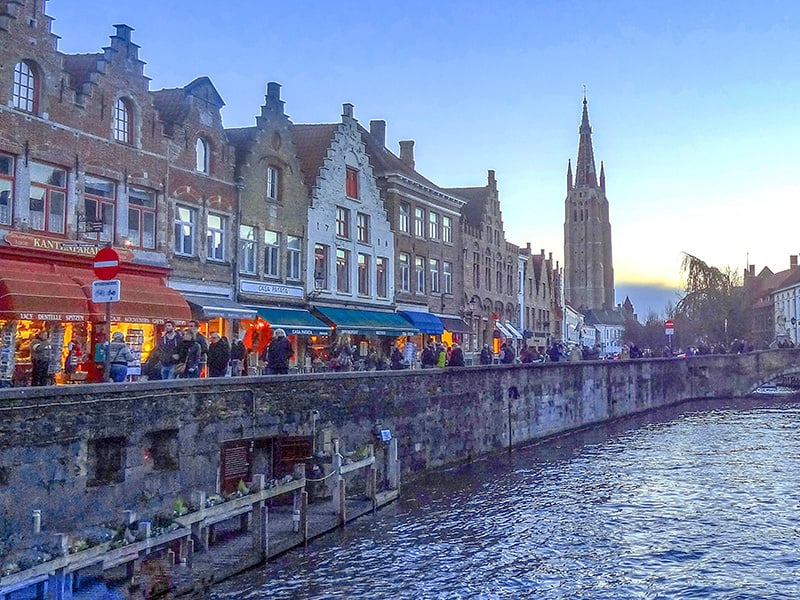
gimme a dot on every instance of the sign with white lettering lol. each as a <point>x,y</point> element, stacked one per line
<point>265,288</point>
<point>106,291</point>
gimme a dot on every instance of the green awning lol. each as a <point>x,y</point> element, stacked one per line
<point>295,321</point>
<point>366,322</point>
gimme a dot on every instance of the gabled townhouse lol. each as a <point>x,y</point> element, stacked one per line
<point>199,213</point>
<point>273,222</point>
<point>427,234</point>
<point>490,269</point>
<point>83,164</point>
<point>350,280</point>
<point>538,293</point>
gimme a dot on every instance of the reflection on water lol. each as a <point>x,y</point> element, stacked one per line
<point>696,502</point>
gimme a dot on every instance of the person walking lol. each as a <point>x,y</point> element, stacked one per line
<point>190,351</point>
<point>428,357</point>
<point>238,358</point>
<point>279,352</point>
<point>41,348</point>
<point>396,359</point>
<point>486,355</point>
<point>168,349</point>
<point>119,356</point>
<point>441,356</point>
<point>456,356</point>
<point>219,355</point>
<point>194,327</point>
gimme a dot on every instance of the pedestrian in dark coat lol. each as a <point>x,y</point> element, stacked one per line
<point>428,358</point>
<point>279,352</point>
<point>486,355</point>
<point>219,354</point>
<point>41,349</point>
<point>191,354</point>
<point>397,359</point>
<point>238,358</point>
<point>456,356</point>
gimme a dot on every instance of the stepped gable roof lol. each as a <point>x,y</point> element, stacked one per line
<point>787,278</point>
<point>311,143</point>
<point>80,66</point>
<point>475,207</point>
<point>604,317</point>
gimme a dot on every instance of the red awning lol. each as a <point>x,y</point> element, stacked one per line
<point>142,300</point>
<point>36,291</point>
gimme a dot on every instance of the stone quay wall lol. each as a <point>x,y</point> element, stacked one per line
<point>168,435</point>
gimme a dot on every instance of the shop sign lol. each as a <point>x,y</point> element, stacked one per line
<point>60,317</point>
<point>21,239</point>
<point>300,332</point>
<point>264,288</point>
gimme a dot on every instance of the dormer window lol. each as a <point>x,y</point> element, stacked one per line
<point>25,95</point>
<point>201,156</point>
<point>123,121</point>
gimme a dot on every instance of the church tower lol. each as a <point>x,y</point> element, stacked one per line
<point>588,270</point>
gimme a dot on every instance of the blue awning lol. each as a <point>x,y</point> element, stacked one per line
<point>366,322</point>
<point>425,322</point>
<point>295,321</point>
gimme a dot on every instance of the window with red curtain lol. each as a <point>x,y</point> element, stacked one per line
<point>352,182</point>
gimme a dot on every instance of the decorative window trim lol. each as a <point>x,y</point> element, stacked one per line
<point>26,88</point>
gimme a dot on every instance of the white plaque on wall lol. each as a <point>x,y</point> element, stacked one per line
<point>265,288</point>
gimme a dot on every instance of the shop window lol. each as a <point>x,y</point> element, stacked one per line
<point>6,188</point>
<point>433,225</point>
<point>272,253</point>
<point>99,203</point>
<point>405,272</point>
<point>48,198</point>
<point>351,182</point>
<point>362,226</point>
<point>215,237</point>
<point>273,183</point>
<point>184,230</point>
<point>434,267</point>
<point>320,267</point>
<point>381,274</point>
<point>342,222</point>
<point>122,121</point>
<point>405,216</point>
<point>343,271</point>
<point>25,94</point>
<point>447,277</point>
<point>201,155</point>
<point>419,268</point>
<point>294,255</point>
<point>419,222</point>
<point>161,449</point>
<point>106,461</point>
<point>447,230</point>
<point>142,217</point>
<point>363,274</point>
<point>247,249</point>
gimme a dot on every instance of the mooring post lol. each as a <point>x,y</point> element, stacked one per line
<point>393,466</point>
<point>304,515</point>
<point>264,526</point>
<point>337,479</point>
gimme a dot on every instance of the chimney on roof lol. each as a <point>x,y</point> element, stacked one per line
<point>792,261</point>
<point>492,181</point>
<point>347,110</point>
<point>407,152</point>
<point>752,269</point>
<point>528,246</point>
<point>123,32</point>
<point>377,128</point>
<point>542,251</point>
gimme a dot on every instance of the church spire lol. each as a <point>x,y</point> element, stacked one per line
<point>602,177</point>
<point>585,173</point>
<point>569,174</point>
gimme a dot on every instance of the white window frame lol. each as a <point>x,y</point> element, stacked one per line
<point>248,249</point>
<point>405,271</point>
<point>272,254</point>
<point>201,155</point>
<point>188,226</point>
<point>447,277</point>
<point>273,183</point>
<point>215,237</point>
<point>364,274</point>
<point>294,257</point>
<point>404,223</point>
<point>447,229</point>
<point>419,274</point>
<point>433,265</point>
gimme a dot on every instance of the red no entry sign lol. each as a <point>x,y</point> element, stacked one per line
<point>106,263</point>
<point>668,324</point>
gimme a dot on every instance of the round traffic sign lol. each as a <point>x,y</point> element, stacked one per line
<point>106,263</point>
<point>669,324</point>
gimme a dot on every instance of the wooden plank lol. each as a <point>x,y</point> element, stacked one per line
<point>360,464</point>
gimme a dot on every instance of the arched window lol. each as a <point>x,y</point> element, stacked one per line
<point>25,94</point>
<point>201,155</point>
<point>123,121</point>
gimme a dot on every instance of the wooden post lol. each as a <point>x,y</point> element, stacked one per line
<point>343,501</point>
<point>59,586</point>
<point>304,515</point>
<point>338,481</point>
<point>296,510</point>
<point>393,466</point>
<point>264,527</point>
<point>373,485</point>
<point>190,553</point>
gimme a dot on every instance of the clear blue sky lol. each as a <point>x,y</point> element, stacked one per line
<point>693,103</point>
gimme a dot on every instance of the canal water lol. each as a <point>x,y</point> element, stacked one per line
<point>701,501</point>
